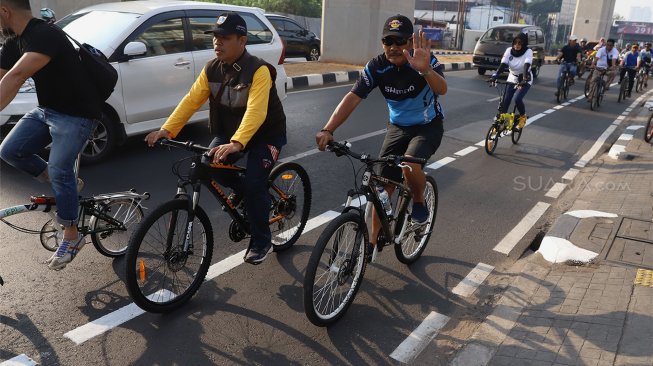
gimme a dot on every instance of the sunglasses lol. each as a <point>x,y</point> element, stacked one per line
<point>389,41</point>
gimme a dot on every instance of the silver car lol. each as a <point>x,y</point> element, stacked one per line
<point>159,48</point>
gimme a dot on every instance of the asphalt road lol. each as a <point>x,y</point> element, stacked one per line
<point>254,315</point>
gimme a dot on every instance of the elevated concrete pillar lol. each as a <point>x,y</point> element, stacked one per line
<point>593,19</point>
<point>351,29</point>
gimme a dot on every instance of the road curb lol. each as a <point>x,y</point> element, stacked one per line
<point>332,78</point>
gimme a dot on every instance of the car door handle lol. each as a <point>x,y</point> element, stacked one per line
<point>182,63</point>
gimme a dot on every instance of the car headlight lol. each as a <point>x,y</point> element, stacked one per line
<point>28,86</point>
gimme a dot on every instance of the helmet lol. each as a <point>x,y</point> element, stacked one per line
<point>583,39</point>
<point>573,38</point>
<point>48,15</point>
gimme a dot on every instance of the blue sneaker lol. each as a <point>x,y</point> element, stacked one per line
<point>66,252</point>
<point>420,214</point>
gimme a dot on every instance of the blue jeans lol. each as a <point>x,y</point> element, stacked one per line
<point>565,66</point>
<point>519,98</point>
<point>68,135</point>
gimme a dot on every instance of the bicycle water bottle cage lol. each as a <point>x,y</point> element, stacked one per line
<point>43,200</point>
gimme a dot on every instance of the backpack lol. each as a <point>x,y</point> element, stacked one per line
<point>100,72</point>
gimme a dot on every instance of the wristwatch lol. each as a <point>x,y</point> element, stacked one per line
<point>428,71</point>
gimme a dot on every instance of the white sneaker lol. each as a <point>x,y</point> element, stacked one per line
<point>66,252</point>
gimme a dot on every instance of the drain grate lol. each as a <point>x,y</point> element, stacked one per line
<point>632,243</point>
<point>644,277</point>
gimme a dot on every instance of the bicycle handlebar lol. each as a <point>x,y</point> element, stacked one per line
<point>344,149</point>
<point>187,145</point>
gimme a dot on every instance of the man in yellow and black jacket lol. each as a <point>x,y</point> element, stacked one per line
<point>245,115</point>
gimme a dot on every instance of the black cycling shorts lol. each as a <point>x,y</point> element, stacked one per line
<point>419,141</point>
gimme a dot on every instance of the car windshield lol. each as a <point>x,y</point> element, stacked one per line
<point>96,27</point>
<point>500,35</point>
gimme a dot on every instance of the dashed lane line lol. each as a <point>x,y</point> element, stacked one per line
<point>412,346</point>
<point>517,233</point>
<point>475,278</point>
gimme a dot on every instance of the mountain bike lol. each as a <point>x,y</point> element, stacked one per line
<point>623,88</point>
<point>648,132</point>
<point>170,252</point>
<point>337,264</point>
<point>640,80</point>
<point>599,89</point>
<point>588,81</point>
<point>566,81</point>
<point>504,123</point>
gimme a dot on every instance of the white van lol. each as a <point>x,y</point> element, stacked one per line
<point>151,84</point>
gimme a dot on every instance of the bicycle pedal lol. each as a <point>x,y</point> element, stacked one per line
<point>43,200</point>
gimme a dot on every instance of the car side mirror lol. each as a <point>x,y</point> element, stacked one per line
<point>135,49</point>
<point>303,32</point>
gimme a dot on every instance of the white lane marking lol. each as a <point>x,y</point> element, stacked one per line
<point>131,311</point>
<point>555,190</point>
<point>475,278</point>
<point>412,346</point>
<point>109,321</point>
<point>558,107</point>
<point>625,137</point>
<point>570,174</point>
<point>549,111</point>
<point>616,150</point>
<point>567,103</point>
<point>440,163</point>
<point>620,118</point>
<point>634,127</point>
<point>466,151</point>
<point>20,360</point>
<point>480,143</point>
<point>514,236</point>
<point>534,118</point>
<point>583,214</point>
<point>589,155</point>
<point>493,99</point>
<point>315,151</point>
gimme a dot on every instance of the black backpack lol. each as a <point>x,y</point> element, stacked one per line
<point>100,72</point>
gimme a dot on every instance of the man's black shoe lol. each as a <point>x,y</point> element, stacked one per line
<point>257,255</point>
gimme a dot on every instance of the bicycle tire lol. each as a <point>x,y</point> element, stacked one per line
<point>294,208</point>
<point>167,298</point>
<point>560,93</point>
<point>113,243</point>
<point>338,271</point>
<point>491,139</point>
<point>601,94</point>
<point>648,133</point>
<point>48,236</point>
<point>622,91</point>
<point>412,246</point>
<point>639,84</point>
<point>566,89</point>
<point>516,134</point>
<point>587,86</point>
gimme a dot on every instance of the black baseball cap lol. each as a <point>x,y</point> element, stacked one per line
<point>229,23</point>
<point>398,26</point>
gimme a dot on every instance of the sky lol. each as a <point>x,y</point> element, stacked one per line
<point>622,7</point>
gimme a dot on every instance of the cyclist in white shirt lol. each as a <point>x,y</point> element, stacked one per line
<point>518,60</point>
<point>606,58</point>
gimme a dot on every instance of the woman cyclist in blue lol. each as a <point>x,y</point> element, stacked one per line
<point>517,60</point>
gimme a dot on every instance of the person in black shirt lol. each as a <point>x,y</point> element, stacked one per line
<point>568,56</point>
<point>66,115</point>
<point>410,78</point>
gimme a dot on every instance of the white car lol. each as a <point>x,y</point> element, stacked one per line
<point>159,48</point>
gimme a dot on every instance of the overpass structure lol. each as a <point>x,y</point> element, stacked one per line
<point>593,18</point>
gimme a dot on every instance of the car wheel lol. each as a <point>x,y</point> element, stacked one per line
<point>313,54</point>
<point>102,141</point>
<point>481,71</point>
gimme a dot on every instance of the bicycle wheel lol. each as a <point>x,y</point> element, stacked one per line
<point>414,242</point>
<point>516,134</point>
<point>600,94</point>
<point>335,270</point>
<point>622,90</point>
<point>639,83</point>
<point>491,139</point>
<point>109,239</point>
<point>560,94</point>
<point>160,276</point>
<point>48,236</point>
<point>588,83</point>
<point>566,89</point>
<point>290,189</point>
<point>648,132</point>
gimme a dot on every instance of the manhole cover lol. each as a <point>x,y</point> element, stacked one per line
<point>633,243</point>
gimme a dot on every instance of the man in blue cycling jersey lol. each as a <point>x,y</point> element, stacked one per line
<point>411,79</point>
<point>629,65</point>
<point>645,57</point>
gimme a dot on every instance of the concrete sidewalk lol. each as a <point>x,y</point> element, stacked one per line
<point>586,296</point>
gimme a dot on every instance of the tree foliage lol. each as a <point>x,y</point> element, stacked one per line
<point>307,8</point>
<point>541,8</point>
